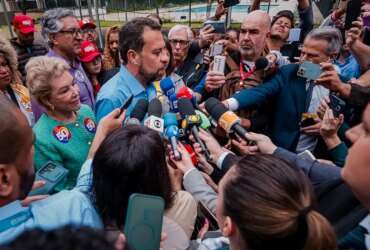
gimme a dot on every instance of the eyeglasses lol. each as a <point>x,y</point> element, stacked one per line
<point>182,43</point>
<point>73,32</point>
<point>85,31</point>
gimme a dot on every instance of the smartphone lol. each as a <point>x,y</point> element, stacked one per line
<point>219,64</point>
<point>216,50</point>
<point>229,3</point>
<point>144,220</point>
<point>309,70</point>
<point>209,215</point>
<point>218,26</point>
<point>337,105</point>
<point>366,21</point>
<point>126,104</point>
<point>308,119</point>
<point>52,174</point>
<point>307,155</point>
<point>353,12</point>
<point>294,35</point>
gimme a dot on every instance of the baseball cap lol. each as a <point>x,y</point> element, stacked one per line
<point>89,51</point>
<point>24,24</point>
<point>87,23</point>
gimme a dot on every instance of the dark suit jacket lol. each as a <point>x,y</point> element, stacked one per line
<point>289,93</point>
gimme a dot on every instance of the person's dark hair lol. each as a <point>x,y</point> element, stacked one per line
<point>271,203</point>
<point>170,67</point>
<point>131,35</point>
<point>68,238</point>
<point>157,17</point>
<point>130,160</point>
<point>12,131</point>
<point>284,13</point>
<point>233,30</point>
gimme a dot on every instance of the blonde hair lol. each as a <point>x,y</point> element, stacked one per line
<point>10,55</point>
<point>40,72</point>
<point>110,60</point>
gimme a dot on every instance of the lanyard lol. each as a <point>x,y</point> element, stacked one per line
<point>14,220</point>
<point>243,75</point>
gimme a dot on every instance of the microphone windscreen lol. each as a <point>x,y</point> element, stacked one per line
<point>261,63</point>
<point>140,109</point>
<point>166,85</point>
<point>217,111</point>
<point>210,103</point>
<point>170,119</point>
<point>185,107</point>
<point>155,108</point>
<point>184,92</point>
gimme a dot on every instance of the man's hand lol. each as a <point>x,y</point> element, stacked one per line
<point>220,10</point>
<point>29,199</point>
<point>185,163</point>
<point>324,105</point>
<point>330,124</point>
<point>206,36</point>
<point>354,33</point>
<point>263,143</point>
<point>214,80</point>
<point>329,78</point>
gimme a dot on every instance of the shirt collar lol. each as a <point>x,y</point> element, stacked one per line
<point>132,83</point>
<point>11,209</point>
<point>74,64</point>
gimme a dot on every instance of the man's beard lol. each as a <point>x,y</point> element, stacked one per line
<point>26,184</point>
<point>149,77</point>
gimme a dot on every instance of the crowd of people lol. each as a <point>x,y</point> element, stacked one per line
<point>252,138</point>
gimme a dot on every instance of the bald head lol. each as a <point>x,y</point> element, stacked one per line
<point>259,18</point>
<point>15,133</point>
<point>254,32</point>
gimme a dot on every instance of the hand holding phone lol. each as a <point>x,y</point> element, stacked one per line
<point>309,70</point>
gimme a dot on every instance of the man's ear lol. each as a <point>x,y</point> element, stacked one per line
<point>133,57</point>
<point>6,187</point>
<point>52,39</point>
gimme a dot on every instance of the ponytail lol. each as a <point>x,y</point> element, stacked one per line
<point>320,234</point>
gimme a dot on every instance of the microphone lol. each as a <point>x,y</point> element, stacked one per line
<point>227,119</point>
<point>172,132</point>
<point>167,86</point>
<point>173,103</point>
<point>205,123</point>
<point>138,113</point>
<point>262,64</point>
<point>191,121</point>
<point>154,120</point>
<point>186,92</point>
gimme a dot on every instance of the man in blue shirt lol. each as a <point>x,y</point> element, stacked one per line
<point>16,179</point>
<point>144,57</point>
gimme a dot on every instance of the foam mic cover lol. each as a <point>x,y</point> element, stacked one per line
<point>262,64</point>
<point>140,109</point>
<point>170,119</point>
<point>155,108</point>
<point>167,86</point>
<point>185,107</point>
<point>184,92</point>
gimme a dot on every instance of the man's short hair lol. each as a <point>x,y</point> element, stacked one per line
<point>284,13</point>
<point>131,35</point>
<point>331,35</point>
<point>50,21</point>
<point>178,27</point>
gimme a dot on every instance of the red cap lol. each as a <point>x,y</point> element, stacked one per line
<point>89,51</point>
<point>24,24</point>
<point>87,23</point>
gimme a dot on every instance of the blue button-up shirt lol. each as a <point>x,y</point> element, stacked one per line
<point>118,89</point>
<point>64,208</point>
